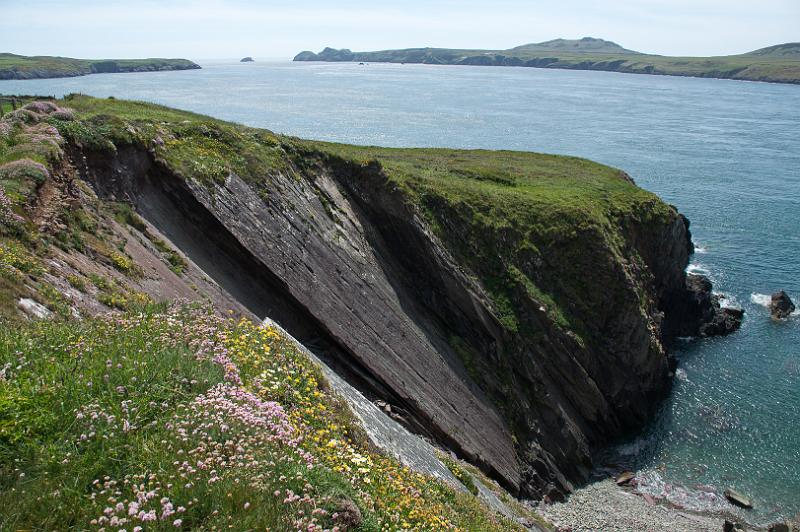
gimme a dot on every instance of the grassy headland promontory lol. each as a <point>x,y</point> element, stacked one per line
<point>777,64</point>
<point>14,66</point>
<point>512,307</point>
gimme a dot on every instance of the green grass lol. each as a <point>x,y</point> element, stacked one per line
<point>22,67</point>
<point>776,64</point>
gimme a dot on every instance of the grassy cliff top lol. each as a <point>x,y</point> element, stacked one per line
<point>515,186</point>
<point>23,67</point>
<point>531,207</point>
<point>780,63</point>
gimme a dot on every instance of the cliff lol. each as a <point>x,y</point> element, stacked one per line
<point>778,64</point>
<point>23,67</point>
<point>511,307</point>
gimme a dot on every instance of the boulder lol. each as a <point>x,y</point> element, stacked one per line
<point>34,309</point>
<point>625,478</point>
<point>738,499</point>
<point>781,305</point>
<point>780,527</point>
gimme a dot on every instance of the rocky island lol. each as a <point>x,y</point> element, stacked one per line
<point>779,63</point>
<point>24,67</point>
<point>515,309</point>
<point>247,59</point>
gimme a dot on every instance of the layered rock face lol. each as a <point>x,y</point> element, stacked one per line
<point>419,303</point>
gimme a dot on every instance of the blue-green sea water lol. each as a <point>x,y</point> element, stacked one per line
<point>727,153</point>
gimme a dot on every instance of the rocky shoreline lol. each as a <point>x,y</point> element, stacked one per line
<point>607,506</point>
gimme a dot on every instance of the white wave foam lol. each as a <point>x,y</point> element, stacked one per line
<point>702,250</point>
<point>680,374</point>
<point>700,498</point>
<point>698,269</point>
<point>760,299</point>
<point>729,301</point>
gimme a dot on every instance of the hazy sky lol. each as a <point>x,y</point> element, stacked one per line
<point>208,29</point>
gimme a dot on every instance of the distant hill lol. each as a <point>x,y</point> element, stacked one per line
<point>788,50</point>
<point>778,64</point>
<point>14,66</point>
<point>588,45</point>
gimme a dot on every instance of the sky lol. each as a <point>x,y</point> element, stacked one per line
<point>217,29</point>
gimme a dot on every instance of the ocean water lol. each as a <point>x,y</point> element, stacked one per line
<point>727,153</point>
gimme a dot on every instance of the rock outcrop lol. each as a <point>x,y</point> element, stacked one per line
<point>247,59</point>
<point>697,311</point>
<point>517,347</point>
<point>781,305</point>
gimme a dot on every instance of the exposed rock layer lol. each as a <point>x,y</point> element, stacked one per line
<point>337,254</point>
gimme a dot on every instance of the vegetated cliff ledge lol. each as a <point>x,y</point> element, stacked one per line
<point>513,307</point>
<point>777,64</point>
<point>14,66</point>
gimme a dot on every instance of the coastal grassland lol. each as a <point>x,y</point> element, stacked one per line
<point>175,418</point>
<point>14,66</point>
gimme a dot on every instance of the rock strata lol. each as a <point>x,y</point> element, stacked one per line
<point>386,289</point>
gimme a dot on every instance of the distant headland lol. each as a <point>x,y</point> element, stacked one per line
<point>14,66</point>
<point>778,64</point>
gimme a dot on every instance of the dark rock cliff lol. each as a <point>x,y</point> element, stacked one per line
<point>394,296</point>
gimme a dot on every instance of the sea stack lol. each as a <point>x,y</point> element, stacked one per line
<point>781,305</point>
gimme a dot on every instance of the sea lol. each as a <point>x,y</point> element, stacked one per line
<point>726,153</point>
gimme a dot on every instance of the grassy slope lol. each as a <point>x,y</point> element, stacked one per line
<point>172,413</point>
<point>768,66</point>
<point>20,67</point>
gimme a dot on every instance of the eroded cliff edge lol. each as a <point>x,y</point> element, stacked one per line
<point>512,307</point>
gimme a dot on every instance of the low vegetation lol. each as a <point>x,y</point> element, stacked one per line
<point>174,418</point>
